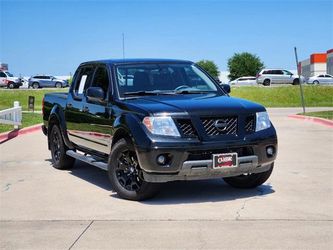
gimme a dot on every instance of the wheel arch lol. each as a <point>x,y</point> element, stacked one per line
<point>57,117</point>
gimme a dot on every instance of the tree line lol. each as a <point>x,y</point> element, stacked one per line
<point>240,64</point>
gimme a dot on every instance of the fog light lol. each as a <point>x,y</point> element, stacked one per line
<point>161,159</point>
<point>270,151</point>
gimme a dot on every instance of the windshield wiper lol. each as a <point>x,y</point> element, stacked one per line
<point>143,93</point>
<point>193,92</point>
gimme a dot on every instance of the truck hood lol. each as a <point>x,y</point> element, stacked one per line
<point>198,104</point>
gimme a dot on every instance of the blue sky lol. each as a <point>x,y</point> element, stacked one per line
<point>53,37</point>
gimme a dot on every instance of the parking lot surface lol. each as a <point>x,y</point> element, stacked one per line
<point>45,208</point>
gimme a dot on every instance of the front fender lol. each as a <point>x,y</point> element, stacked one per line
<point>131,125</point>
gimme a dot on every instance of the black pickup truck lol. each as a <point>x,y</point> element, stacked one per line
<point>149,121</point>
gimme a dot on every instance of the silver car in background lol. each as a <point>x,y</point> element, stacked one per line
<point>267,77</point>
<point>41,81</point>
<point>321,79</point>
<point>244,81</point>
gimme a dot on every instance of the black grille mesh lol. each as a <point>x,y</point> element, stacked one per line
<point>211,129</point>
<point>250,124</point>
<point>186,127</point>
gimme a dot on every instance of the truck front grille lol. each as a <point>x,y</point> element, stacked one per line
<point>186,127</point>
<point>220,126</point>
<point>207,154</point>
<point>250,124</point>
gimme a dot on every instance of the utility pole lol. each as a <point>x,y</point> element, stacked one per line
<point>123,46</point>
<point>300,80</point>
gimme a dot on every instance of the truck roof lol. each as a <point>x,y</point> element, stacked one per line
<point>137,60</point>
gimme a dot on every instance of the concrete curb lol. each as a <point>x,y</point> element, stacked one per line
<point>321,121</point>
<point>6,136</point>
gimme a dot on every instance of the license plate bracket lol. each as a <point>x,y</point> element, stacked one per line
<point>225,160</point>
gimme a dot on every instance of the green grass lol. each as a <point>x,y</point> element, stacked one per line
<point>286,96</point>
<point>321,114</point>
<point>7,97</point>
<point>28,119</point>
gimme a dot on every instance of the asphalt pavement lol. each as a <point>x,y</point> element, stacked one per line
<point>45,208</point>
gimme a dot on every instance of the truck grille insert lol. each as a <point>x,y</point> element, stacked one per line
<point>250,124</point>
<point>186,128</point>
<point>220,126</point>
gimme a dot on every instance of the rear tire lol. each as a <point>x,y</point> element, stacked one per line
<point>58,150</point>
<point>266,82</point>
<point>125,174</point>
<point>249,180</point>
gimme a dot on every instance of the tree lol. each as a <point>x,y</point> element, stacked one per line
<point>210,67</point>
<point>244,64</point>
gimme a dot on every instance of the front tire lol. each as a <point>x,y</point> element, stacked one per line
<point>58,85</point>
<point>60,159</point>
<point>125,174</point>
<point>266,82</point>
<point>315,82</point>
<point>11,85</point>
<point>296,81</point>
<point>35,85</point>
<point>249,180</point>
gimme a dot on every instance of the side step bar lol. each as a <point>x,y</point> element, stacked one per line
<point>88,159</point>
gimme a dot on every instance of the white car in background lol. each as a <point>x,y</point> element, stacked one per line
<point>321,79</point>
<point>244,81</point>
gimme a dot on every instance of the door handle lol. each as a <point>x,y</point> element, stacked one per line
<point>85,109</point>
<point>69,105</point>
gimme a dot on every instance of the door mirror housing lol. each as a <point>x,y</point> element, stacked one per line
<point>95,94</point>
<point>226,88</point>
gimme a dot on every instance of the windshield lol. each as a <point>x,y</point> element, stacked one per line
<point>162,78</point>
<point>9,74</point>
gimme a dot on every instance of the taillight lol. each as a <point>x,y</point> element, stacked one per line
<point>43,105</point>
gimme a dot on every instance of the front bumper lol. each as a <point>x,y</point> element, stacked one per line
<point>194,162</point>
<point>202,169</point>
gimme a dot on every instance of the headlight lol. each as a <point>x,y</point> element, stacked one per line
<point>161,125</point>
<point>263,121</point>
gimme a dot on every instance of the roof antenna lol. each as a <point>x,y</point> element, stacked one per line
<point>123,46</point>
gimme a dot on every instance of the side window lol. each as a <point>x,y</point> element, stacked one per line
<point>321,76</point>
<point>83,80</point>
<point>2,74</point>
<point>101,79</point>
<point>329,76</point>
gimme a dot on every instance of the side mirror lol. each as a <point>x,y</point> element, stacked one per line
<point>226,88</point>
<point>217,80</point>
<point>95,94</point>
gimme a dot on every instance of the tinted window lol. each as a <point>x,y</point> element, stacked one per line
<point>241,79</point>
<point>101,79</point>
<point>328,76</point>
<point>2,74</point>
<point>321,76</point>
<point>162,77</point>
<point>83,80</point>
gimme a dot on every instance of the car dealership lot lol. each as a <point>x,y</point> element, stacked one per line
<point>42,207</point>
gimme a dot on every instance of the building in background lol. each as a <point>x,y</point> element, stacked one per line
<point>318,63</point>
<point>3,66</point>
<point>329,62</point>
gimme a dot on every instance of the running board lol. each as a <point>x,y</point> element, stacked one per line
<point>87,159</point>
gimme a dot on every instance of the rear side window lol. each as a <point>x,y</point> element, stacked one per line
<point>2,74</point>
<point>83,80</point>
<point>101,79</point>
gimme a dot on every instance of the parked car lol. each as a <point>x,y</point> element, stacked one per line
<point>170,121</point>
<point>8,80</point>
<point>244,80</point>
<point>41,81</point>
<point>267,77</point>
<point>321,79</point>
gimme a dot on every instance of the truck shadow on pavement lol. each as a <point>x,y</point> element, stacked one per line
<point>178,192</point>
